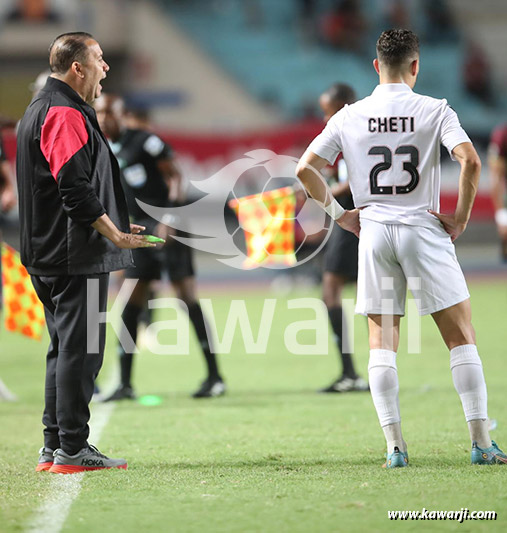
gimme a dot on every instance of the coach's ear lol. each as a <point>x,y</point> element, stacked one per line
<point>376,66</point>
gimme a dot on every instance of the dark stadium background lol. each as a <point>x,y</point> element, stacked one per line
<point>221,77</point>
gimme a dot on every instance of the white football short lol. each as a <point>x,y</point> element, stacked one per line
<point>392,256</point>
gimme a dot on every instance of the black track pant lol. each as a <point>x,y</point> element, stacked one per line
<point>70,369</point>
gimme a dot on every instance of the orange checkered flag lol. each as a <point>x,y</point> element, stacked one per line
<point>268,222</point>
<point>23,310</point>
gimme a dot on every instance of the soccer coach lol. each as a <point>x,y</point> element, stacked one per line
<point>74,227</point>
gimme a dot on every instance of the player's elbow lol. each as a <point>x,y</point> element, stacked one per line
<point>473,163</point>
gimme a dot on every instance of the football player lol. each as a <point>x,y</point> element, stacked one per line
<point>391,141</point>
<point>497,159</point>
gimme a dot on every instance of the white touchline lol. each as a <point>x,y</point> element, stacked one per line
<point>64,489</point>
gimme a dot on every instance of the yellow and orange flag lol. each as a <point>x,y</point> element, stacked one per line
<point>23,310</point>
<point>268,221</point>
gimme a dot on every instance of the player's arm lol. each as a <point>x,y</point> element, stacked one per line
<point>308,171</point>
<point>469,176</point>
<point>497,176</point>
<point>172,176</point>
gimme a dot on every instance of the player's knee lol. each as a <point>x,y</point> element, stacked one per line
<point>330,300</point>
<point>331,295</point>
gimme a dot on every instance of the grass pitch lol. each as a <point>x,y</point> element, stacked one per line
<point>272,455</point>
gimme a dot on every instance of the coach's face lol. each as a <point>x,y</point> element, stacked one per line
<point>95,70</point>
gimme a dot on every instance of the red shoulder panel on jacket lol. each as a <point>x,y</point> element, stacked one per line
<point>63,134</point>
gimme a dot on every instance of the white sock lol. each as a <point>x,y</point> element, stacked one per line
<point>392,433</point>
<point>383,379</point>
<point>479,432</point>
<point>468,377</point>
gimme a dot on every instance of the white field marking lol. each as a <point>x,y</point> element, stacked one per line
<point>63,489</point>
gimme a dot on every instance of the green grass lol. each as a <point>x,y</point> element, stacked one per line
<point>272,455</point>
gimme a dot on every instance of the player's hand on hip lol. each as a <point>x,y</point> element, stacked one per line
<point>350,221</point>
<point>451,225</point>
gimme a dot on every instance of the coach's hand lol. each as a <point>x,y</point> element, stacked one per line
<point>350,221</point>
<point>105,226</point>
<point>453,227</point>
<point>130,241</point>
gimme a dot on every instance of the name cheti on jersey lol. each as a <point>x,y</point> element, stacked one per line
<point>390,142</point>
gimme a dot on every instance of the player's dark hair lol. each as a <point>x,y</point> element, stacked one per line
<point>66,49</point>
<point>341,93</point>
<point>394,47</point>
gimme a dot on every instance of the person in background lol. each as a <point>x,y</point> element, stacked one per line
<point>340,260</point>
<point>7,202</point>
<point>32,11</point>
<point>497,160</point>
<point>150,174</point>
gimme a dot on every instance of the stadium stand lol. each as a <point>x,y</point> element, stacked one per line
<point>273,61</point>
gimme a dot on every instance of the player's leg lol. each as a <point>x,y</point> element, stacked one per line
<point>131,317</point>
<point>455,325</point>
<point>440,289</point>
<point>178,261</point>
<point>147,269</point>
<point>144,335</point>
<point>384,331</point>
<point>332,287</point>
<point>185,290</point>
<point>340,268</point>
<point>381,296</point>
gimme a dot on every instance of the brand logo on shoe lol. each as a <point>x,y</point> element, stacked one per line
<point>92,462</point>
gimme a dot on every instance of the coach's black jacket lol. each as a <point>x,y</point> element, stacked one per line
<point>67,178</point>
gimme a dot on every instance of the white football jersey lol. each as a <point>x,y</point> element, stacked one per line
<point>391,144</point>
